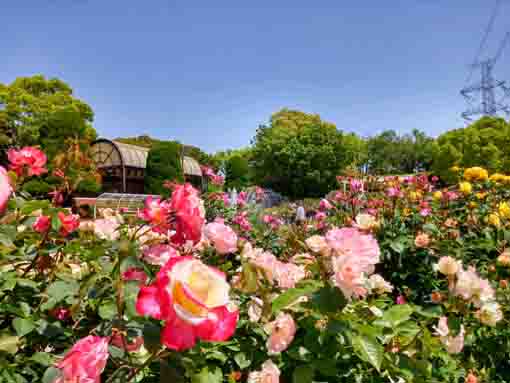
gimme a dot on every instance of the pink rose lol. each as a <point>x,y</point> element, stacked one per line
<point>159,254</point>
<point>69,223</point>
<point>222,236</point>
<point>282,331</point>
<point>29,158</point>
<point>288,274</point>
<point>189,214</point>
<point>42,224</point>
<point>269,374</point>
<point>325,204</point>
<point>134,274</point>
<point>85,361</point>
<point>350,241</point>
<point>193,300</point>
<point>5,189</point>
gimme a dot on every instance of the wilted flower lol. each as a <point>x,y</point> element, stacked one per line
<point>448,266</point>
<point>471,287</point>
<point>282,331</point>
<point>222,236</point>
<point>106,228</point>
<point>318,244</point>
<point>379,285</point>
<point>471,378</point>
<point>422,240</point>
<point>193,300</point>
<point>255,309</point>
<point>490,313</point>
<point>366,222</point>
<point>29,158</point>
<point>504,258</point>
<point>85,361</point>
<point>454,345</point>
<point>269,374</point>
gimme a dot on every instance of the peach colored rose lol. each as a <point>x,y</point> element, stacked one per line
<point>282,331</point>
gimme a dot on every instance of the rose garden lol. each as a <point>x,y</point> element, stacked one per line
<point>386,278</point>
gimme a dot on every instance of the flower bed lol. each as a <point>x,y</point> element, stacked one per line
<point>407,285</point>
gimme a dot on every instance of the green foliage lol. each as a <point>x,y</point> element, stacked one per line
<point>40,111</point>
<point>237,171</point>
<point>37,187</point>
<point>483,143</point>
<point>390,153</point>
<point>300,155</point>
<point>163,164</point>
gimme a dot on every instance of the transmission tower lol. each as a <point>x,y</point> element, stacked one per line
<point>486,98</point>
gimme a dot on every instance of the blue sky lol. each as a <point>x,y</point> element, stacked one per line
<point>208,73</point>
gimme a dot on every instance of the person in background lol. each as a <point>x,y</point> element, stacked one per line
<point>300,213</point>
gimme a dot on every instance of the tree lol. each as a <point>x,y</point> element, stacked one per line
<point>237,170</point>
<point>390,153</point>
<point>39,111</point>
<point>163,164</point>
<point>298,154</point>
<point>486,142</point>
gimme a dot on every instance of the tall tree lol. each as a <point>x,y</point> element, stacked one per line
<point>298,154</point>
<point>163,164</point>
<point>40,111</point>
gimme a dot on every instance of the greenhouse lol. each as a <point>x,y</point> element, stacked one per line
<point>122,166</point>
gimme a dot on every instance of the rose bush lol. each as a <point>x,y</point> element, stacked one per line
<point>389,281</point>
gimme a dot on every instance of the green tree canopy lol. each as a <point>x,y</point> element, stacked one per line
<point>485,143</point>
<point>39,111</point>
<point>237,171</point>
<point>390,153</point>
<point>163,164</point>
<point>300,155</point>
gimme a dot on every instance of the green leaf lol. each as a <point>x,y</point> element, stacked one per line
<point>108,310</point>
<point>329,300</point>
<point>397,246</point>
<point>369,350</point>
<point>60,290</point>
<point>303,374</point>
<point>50,375</point>
<point>9,343</point>
<point>23,326</point>
<point>394,316</point>
<point>241,360</point>
<point>131,290</point>
<point>206,376</point>
<point>55,223</point>
<point>291,296</point>
<point>151,336</point>
<point>33,205</point>
<point>43,358</point>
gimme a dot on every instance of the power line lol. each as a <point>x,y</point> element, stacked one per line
<point>487,31</point>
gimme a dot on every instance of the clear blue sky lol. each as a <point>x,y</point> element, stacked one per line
<point>208,73</point>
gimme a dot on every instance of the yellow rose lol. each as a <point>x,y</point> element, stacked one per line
<point>494,220</point>
<point>497,177</point>
<point>504,210</point>
<point>465,188</point>
<point>476,174</point>
<point>437,195</point>
<point>473,204</point>
<point>406,212</point>
<point>455,169</point>
<point>506,180</point>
